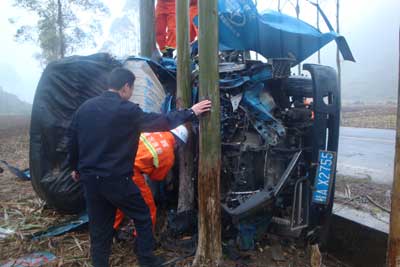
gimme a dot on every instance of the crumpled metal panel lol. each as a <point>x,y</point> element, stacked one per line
<point>260,105</point>
<point>272,34</point>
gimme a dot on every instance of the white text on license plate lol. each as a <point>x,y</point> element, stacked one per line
<point>323,179</point>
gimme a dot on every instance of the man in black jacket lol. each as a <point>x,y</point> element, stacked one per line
<point>104,136</point>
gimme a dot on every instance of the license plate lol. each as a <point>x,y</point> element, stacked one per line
<point>324,177</point>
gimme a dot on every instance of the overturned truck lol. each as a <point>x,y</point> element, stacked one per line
<point>279,131</point>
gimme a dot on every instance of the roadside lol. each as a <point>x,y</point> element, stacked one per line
<point>24,213</point>
<point>381,116</point>
<point>363,202</point>
<point>362,193</point>
<point>365,161</point>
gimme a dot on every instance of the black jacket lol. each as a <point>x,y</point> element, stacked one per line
<point>104,134</point>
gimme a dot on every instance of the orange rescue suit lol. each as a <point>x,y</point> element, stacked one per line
<point>166,24</point>
<point>155,157</point>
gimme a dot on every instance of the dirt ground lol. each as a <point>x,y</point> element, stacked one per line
<point>363,195</point>
<point>22,211</point>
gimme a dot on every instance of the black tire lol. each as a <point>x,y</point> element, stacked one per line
<point>299,86</point>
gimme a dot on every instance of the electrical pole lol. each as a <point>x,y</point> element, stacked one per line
<point>393,253</point>
<point>147,28</point>
<point>209,249</point>
<point>184,93</point>
<point>339,68</point>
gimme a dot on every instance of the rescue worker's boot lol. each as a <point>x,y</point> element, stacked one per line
<point>151,261</point>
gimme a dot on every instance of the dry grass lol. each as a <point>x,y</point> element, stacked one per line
<point>363,194</point>
<point>370,116</point>
<point>22,211</point>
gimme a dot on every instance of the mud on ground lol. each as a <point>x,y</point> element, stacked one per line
<point>22,211</point>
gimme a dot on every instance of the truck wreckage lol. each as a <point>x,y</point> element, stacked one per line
<point>279,132</point>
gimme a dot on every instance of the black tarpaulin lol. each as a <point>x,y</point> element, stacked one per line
<point>65,84</point>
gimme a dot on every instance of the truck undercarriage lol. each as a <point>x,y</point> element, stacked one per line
<point>279,131</point>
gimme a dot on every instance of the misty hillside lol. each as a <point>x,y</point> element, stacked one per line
<point>124,33</point>
<point>10,104</point>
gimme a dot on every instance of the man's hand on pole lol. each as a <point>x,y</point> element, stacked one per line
<point>201,107</point>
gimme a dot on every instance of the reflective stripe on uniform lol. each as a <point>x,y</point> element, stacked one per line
<point>151,148</point>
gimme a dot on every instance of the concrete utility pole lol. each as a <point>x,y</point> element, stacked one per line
<point>147,28</point>
<point>209,250</point>
<point>186,187</point>
<point>393,254</point>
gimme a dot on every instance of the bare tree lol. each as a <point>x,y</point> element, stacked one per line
<point>298,16</point>
<point>339,68</point>
<point>319,50</point>
<point>186,186</point>
<point>59,30</point>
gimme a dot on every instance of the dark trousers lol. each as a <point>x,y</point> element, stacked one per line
<point>103,196</point>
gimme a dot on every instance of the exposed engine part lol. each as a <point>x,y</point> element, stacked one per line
<point>281,67</point>
<point>298,115</point>
<point>231,67</point>
<point>280,221</point>
<point>268,131</point>
<point>256,132</point>
<point>287,173</point>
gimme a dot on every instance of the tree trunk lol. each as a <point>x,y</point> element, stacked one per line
<point>209,250</point>
<point>393,253</point>
<point>339,67</point>
<point>319,50</point>
<point>298,16</point>
<point>60,24</point>
<point>147,28</point>
<point>186,187</point>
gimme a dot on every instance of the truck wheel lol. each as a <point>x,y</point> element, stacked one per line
<point>299,86</point>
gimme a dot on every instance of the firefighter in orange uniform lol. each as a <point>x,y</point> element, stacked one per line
<point>166,25</point>
<point>193,11</point>
<point>155,157</point>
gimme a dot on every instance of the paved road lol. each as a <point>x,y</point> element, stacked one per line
<point>367,153</point>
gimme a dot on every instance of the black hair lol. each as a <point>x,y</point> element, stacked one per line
<point>119,77</point>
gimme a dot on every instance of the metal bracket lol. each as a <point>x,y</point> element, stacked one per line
<point>301,205</point>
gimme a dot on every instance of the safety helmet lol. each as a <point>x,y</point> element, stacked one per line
<point>181,132</point>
